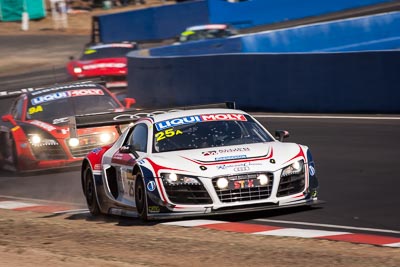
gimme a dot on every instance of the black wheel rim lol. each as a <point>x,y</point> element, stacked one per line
<point>89,190</point>
<point>140,197</point>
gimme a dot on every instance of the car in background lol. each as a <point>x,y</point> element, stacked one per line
<point>103,60</point>
<point>194,162</point>
<point>207,31</point>
<point>35,135</point>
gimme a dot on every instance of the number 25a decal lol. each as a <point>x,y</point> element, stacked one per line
<point>167,133</point>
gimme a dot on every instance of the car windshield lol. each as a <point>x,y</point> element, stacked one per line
<point>204,34</point>
<point>106,52</point>
<point>193,133</point>
<point>54,106</point>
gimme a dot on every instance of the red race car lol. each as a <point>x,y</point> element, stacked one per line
<point>35,134</point>
<point>103,60</point>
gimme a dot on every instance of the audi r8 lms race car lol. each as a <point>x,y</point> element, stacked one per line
<point>35,135</point>
<point>194,162</point>
<point>103,60</point>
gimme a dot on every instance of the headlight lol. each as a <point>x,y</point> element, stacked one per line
<point>73,142</point>
<point>105,137</point>
<point>35,139</point>
<point>179,179</point>
<point>77,70</point>
<point>294,168</point>
<point>222,183</point>
<point>263,179</point>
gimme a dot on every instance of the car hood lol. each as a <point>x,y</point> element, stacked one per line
<point>62,130</point>
<point>210,162</point>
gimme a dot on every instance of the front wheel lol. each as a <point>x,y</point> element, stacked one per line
<point>90,192</point>
<point>140,197</point>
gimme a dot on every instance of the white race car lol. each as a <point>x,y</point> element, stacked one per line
<point>193,162</point>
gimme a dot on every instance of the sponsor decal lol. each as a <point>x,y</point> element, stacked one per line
<point>231,157</point>
<point>96,150</point>
<point>154,209</point>
<point>151,186</point>
<point>241,169</point>
<point>61,120</point>
<point>43,125</point>
<point>199,118</point>
<point>33,110</point>
<point>245,166</point>
<point>65,94</point>
<point>243,184</point>
<point>209,153</point>
<point>166,134</point>
<point>312,170</point>
<point>225,150</point>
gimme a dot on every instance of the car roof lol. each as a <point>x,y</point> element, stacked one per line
<point>207,27</point>
<point>113,45</point>
<point>192,112</point>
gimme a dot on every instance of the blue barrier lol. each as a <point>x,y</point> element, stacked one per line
<point>149,24</point>
<point>375,32</point>
<point>218,70</point>
<point>259,12</point>
<point>356,34</point>
<point>168,21</point>
<point>359,82</point>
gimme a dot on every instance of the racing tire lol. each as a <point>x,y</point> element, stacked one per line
<point>140,197</point>
<point>90,192</point>
<point>14,156</point>
<point>8,154</point>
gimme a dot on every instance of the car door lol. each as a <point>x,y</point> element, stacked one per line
<point>6,134</point>
<point>124,162</point>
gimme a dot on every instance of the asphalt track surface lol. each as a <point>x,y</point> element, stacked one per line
<point>357,161</point>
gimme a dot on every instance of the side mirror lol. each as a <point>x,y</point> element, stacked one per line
<point>129,102</point>
<point>127,149</point>
<point>9,118</point>
<point>281,134</point>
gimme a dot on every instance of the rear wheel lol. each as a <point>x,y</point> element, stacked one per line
<point>140,197</point>
<point>90,192</point>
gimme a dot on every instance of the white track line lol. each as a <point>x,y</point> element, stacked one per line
<point>331,226</point>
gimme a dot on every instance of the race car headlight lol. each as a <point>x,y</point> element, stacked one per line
<point>179,179</point>
<point>105,137</point>
<point>73,142</point>
<point>294,168</point>
<point>35,139</point>
<point>222,183</point>
<point>77,70</point>
<point>263,179</point>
